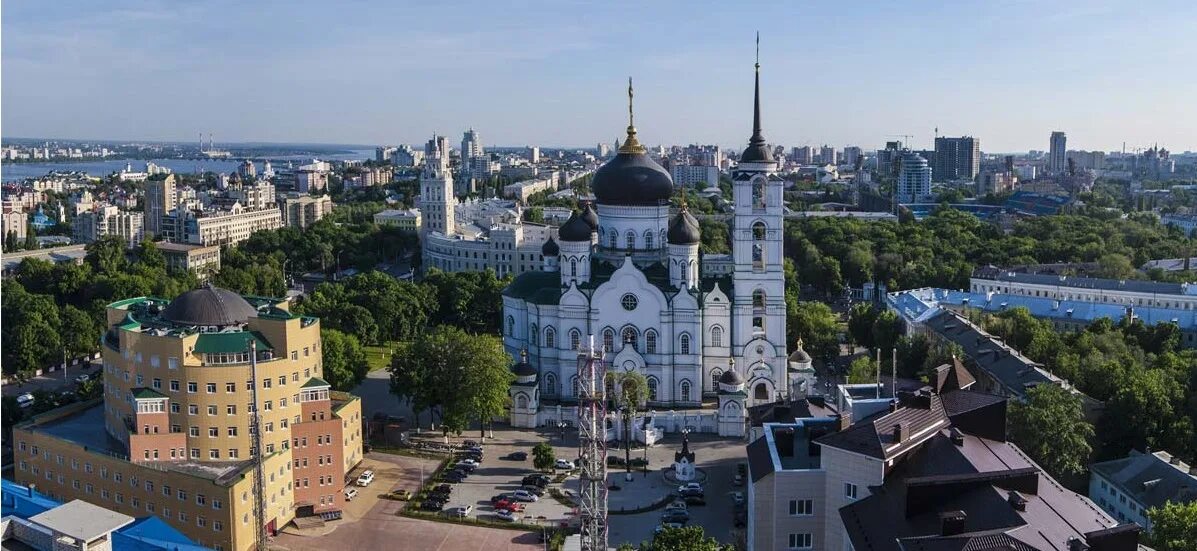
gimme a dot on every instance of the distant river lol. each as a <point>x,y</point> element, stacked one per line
<point>20,171</point>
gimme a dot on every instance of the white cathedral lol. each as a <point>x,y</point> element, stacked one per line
<point>627,273</point>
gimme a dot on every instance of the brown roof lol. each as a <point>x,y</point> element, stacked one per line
<point>877,436</point>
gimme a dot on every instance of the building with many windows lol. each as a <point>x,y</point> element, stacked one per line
<point>914,178</point>
<point>301,211</point>
<point>628,275</point>
<point>187,384</point>
<point>1127,488</point>
<point>406,219</point>
<point>957,158</point>
<point>204,261</point>
<point>1057,155</point>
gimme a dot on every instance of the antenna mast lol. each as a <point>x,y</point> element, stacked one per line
<point>592,444</point>
<point>255,437</point>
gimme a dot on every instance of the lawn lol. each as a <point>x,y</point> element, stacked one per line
<point>379,357</point>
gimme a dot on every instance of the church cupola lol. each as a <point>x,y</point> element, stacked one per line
<point>683,237</point>
<point>549,251</point>
<point>573,259</point>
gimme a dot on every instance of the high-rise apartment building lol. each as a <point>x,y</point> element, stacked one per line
<point>957,158</point>
<point>159,201</point>
<point>301,211</point>
<point>471,144</point>
<point>914,179</point>
<point>803,155</point>
<point>191,387</point>
<point>852,155</point>
<point>1057,161</point>
<point>827,155</point>
<point>436,188</point>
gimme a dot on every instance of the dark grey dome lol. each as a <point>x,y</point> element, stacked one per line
<point>523,369</point>
<point>574,229</point>
<point>800,355</point>
<point>683,230</point>
<point>590,216</point>
<point>209,305</point>
<point>632,179</point>
<point>550,248</point>
<point>730,377</point>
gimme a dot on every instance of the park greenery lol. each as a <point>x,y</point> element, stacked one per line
<point>1050,426</point>
<point>685,538</point>
<point>1173,526</point>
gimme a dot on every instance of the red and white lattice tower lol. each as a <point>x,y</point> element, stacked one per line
<point>592,452</point>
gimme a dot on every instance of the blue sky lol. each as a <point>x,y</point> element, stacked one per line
<point>554,73</point>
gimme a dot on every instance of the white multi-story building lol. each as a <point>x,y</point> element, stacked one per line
<point>312,177</point>
<point>1057,160</point>
<point>685,175</point>
<point>914,179</point>
<point>228,226</point>
<point>520,191</point>
<point>104,220</point>
<point>1127,488</point>
<point>301,211</point>
<point>629,276</point>
<point>1129,292</point>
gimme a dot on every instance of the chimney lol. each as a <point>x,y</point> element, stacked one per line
<point>899,431</point>
<point>845,421</point>
<point>1016,501</point>
<point>952,523</point>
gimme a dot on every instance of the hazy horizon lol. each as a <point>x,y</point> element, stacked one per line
<point>555,74</point>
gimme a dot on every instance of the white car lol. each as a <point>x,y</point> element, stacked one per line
<point>350,493</point>
<point>524,495</point>
<point>677,505</point>
<point>564,464</point>
<point>365,478</point>
<point>691,487</point>
<point>83,378</point>
<point>460,511</point>
<point>737,498</point>
<point>25,400</point>
<point>505,514</point>
<point>469,463</point>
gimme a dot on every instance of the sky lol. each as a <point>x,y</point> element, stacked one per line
<point>555,73</point>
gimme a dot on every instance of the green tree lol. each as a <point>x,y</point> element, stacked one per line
<point>860,324</point>
<point>862,370</point>
<point>150,256</point>
<point>80,333</point>
<point>107,255</point>
<point>685,538</point>
<point>543,457</point>
<point>1174,526</point>
<point>90,389</point>
<point>887,327</point>
<point>344,359</point>
<point>631,393</point>
<point>1050,426</point>
<point>817,326</point>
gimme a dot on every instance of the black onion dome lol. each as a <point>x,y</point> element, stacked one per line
<point>590,216</point>
<point>731,378</point>
<point>209,305</point>
<point>631,179</point>
<point>523,369</point>
<point>550,248</point>
<point>683,230</point>
<point>574,229</point>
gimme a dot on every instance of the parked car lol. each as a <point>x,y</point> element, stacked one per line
<point>505,514</point>
<point>83,378</point>
<point>401,495</point>
<point>676,506</point>
<point>667,525</point>
<point>365,478</point>
<point>524,495</point>
<point>537,480</point>
<point>564,464</point>
<point>738,498</point>
<point>690,487</point>
<point>454,476</point>
<point>514,506</point>
<point>470,443</point>
<point>516,456</point>
<point>676,515</point>
<point>461,511</point>
<point>696,500</point>
<point>537,490</point>
<point>25,400</point>
<point>468,462</point>
<point>350,493</point>
<point>497,498</point>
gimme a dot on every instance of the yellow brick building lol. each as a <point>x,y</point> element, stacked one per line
<point>172,434</point>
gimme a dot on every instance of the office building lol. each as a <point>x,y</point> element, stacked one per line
<point>105,220</point>
<point>1129,487</point>
<point>471,144</point>
<point>312,177</point>
<point>1088,160</point>
<point>852,155</point>
<point>160,195</point>
<point>827,155</point>
<point>533,154</point>
<point>247,170</point>
<point>408,219</point>
<point>926,469</point>
<point>204,261</point>
<point>301,211</point>
<point>888,159</point>
<point>957,159</point>
<point>383,154</point>
<point>227,226</point>
<point>174,433</point>
<point>914,179</point>
<point>803,155</point>
<point>1128,293</point>
<point>405,156</point>
<point>1057,162</point>
<point>694,176</point>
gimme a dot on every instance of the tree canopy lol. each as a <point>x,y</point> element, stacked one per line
<point>1050,426</point>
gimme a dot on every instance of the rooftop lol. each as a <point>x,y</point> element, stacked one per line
<point>1124,285</point>
<point>82,520</point>
<point>1151,479</point>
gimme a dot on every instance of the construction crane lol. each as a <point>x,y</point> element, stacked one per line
<point>905,139</point>
<point>592,449</point>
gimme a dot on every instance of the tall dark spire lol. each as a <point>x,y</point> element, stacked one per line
<point>631,145</point>
<point>758,150</point>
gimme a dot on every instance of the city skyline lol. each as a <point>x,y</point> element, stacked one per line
<point>396,74</point>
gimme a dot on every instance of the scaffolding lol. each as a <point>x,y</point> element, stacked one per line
<point>592,449</point>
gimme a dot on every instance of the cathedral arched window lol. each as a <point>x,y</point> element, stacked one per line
<point>631,239</point>
<point>684,344</point>
<point>685,391</point>
<point>761,392</point>
<point>652,389</point>
<point>758,193</point>
<point>575,339</point>
<point>550,384</point>
<point>758,300</point>
<point>608,340</point>
<point>533,332</point>
<point>573,266</point>
<point>521,402</point>
<point>715,375</point>
<point>650,341</point>
<point>612,237</point>
<point>648,239</point>
<point>716,336</point>
<point>550,337</point>
<point>629,336</point>
<point>758,245</point>
<point>664,239</point>
<point>510,326</point>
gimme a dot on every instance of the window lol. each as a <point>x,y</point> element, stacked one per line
<point>758,194</point>
<point>550,337</point>
<point>715,375</point>
<point>650,341</point>
<point>800,541</point>
<point>230,387</point>
<point>230,409</point>
<point>266,382</point>
<point>573,266</point>
<point>631,240</point>
<point>608,340</point>
<point>211,388</point>
<point>611,238</point>
<point>212,410</point>
<point>760,392</point>
<point>648,239</point>
<point>758,300</point>
<point>849,490</point>
<point>192,387</point>
<point>802,507</point>
<point>533,332</point>
<point>716,336</point>
<point>629,337</point>
<point>684,344</point>
<point>174,386</point>
<point>652,389</point>
<point>193,430</point>
<point>157,383</point>
<point>172,363</point>
<point>629,302</point>
<point>192,409</point>
<point>685,391</point>
<point>575,339</point>
<point>510,326</point>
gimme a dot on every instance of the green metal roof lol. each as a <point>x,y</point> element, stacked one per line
<point>144,393</point>
<point>218,343</point>
<point>537,287</point>
<point>315,382</point>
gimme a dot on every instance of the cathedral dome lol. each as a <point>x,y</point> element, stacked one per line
<point>550,248</point>
<point>523,369</point>
<point>683,230</point>
<point>590,217</point>
<point>632,179</point>
<point>574,229</point>
<point>731,378</point>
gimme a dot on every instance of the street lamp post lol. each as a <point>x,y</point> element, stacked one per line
<point>561,428</point>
